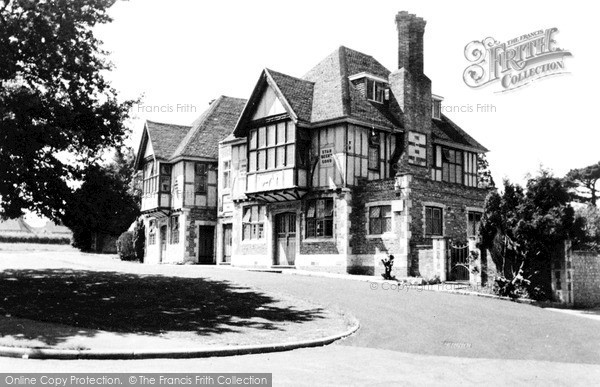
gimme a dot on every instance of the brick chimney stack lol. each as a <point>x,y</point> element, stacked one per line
<point>410,41</point>
<point>411,89</point>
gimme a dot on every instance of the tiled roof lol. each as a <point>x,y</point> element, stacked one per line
<point>446,130</point>
<point>297,92</point>
<point>214,125</point>
<point>335,96</point>
<point>165,137</point>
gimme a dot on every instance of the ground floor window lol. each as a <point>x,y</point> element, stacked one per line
<point>433,221</point>
<point>152,232</point>
<point>175,229</point>
<point>253,222</point>
<point>474,218</point>
<point>319,218</point>
<point>380,219</point>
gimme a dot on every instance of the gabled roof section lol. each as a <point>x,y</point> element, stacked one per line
<point>447,131</point>
<point>297,92</point>
<point>295,95</point>
<point>202,140</point>
<point>163,137</point>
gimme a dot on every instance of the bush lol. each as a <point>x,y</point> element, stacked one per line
<point>139,240</point>
<point>125,247</point>
<point>32,238</point>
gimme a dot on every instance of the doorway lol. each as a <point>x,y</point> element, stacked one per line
<point>227,242</point>
<point>285,239</point>
<point>163,243</point>
<point>206,235</point>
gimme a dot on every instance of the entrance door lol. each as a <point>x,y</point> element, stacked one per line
<point>206,235</point>
<point>163,243</point>
<point>227,243</point>
<point>285,236</point>
<point>458,255</point>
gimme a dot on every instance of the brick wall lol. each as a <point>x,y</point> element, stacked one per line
<point>586,278</point>
<point>408,225</point>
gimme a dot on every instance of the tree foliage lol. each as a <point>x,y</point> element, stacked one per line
<point>523,229</point>
<point>57,111</point>
<point>104,203</point>
<point>484,175</point>
<point>582,183</point>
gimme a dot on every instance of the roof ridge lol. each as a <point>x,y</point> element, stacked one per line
<point>287,75</point>
<point>165,123</point>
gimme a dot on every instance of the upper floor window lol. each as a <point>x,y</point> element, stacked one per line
<point>455,166</point>
<point>175,229</point>
<point>375,90</point>
<point>433,221</point>
<point>226,174</point>
<point>165,178</point>
<point>436,109</point>
<point>271,146</point>
<point>319,218</point>
<point>200,178</point>
<point>374,149</point>
<point>473,220</point>
<point>150,177</point>
<point>380,219</point>
<point>253,222</point>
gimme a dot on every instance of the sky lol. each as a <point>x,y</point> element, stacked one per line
<point>179,55</point>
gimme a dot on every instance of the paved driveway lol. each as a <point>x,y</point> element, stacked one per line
<point>409,336</point>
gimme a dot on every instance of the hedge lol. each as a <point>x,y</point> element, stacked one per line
<point>32,238</point>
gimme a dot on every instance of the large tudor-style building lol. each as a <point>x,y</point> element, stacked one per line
<point>331,171</point>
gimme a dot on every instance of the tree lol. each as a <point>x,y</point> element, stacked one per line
<point>523,228</point>
<point>484,175</point>
<point>582,183</point>
<point>57,112</point>
<point>104,204</point>
<point>589,216</point>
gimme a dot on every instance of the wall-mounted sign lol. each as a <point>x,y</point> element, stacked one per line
<point>417,148</point>
<point>326,156</point>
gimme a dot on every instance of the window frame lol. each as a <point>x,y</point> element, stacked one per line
<point>429,227</point>
<point>277,151</point>
<point>256,226</point>
<point>174,230</point>
<point>375,90</point>
<point>226,174</point>
<point>152,232</point>
<point>472,224</point>
<point>436,107</point>
<point>319,225</point>
<point>200,179</point>
<point>380,219</point>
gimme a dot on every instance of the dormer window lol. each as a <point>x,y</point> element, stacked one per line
<point>436,107</point>
<point>373,87</point>
<point>375,90</point>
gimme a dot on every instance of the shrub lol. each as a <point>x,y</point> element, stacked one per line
<point>125,247</point>
<point>139,240</point>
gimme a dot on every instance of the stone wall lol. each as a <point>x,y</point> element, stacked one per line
<point>586,278</point>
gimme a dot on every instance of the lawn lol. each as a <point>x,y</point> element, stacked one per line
<point>66,304</point>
